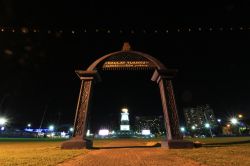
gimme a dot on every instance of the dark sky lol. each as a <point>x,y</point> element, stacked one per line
<point>37,69</point>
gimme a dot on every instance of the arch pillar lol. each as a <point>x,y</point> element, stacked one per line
<point>79,140</point>
<point>174,137</point>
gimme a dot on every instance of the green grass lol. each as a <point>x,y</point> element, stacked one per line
<point>31,139</point>
<point>218,140</point>
<point>40,153</point>
<point>44,152</point>
<point>233,155</point>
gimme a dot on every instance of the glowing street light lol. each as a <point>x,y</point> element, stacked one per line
<point>183,129</point>
<point>193,127</point>
<point>234,121</point>
<point>207,125</point>
<point>71,129</point>
<point>3,121</point>
<point>240,116</point>
<point>29,125</point>
<point>219,120</point>
<point>51,127</point>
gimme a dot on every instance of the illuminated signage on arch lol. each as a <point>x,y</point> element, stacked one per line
<point>127,64</point>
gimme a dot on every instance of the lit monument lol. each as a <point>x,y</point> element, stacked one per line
<point>124,120</point>
<point>127,59</point>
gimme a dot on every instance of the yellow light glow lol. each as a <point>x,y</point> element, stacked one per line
<point>240,116</point>
<point>125,110</point>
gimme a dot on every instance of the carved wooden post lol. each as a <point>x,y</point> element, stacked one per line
<point>169,109</point>
<point>78,140</point>
<point>174,137</point>
<point>82,108</point>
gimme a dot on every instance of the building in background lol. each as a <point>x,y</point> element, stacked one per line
<point>124,126</point>
<point>125,130</point>
<point>200,119</point>
<point>153,123</point>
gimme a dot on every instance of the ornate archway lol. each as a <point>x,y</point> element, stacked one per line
<point>127,59</point>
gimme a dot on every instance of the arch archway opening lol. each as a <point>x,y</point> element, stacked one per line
<point>126,59</point>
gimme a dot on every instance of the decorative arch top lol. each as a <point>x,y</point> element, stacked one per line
<point>126,58</point>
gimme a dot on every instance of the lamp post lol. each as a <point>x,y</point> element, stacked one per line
<point>183,130</point>
<point>51,128</point>
<point>234,121</point>
<point>3,121</point>
<point>207,125</point>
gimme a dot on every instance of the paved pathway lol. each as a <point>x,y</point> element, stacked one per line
<point>129,157</point>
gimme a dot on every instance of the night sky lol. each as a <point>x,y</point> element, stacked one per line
<point>37,69</point>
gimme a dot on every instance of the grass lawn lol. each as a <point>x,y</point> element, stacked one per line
<point>35,152</point>
<point>233,155</point>
<point>44,152</point>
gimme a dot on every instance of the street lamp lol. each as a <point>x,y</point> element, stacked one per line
<point>183,129</point>
<point>207,125</point>
<point>193,127</point>
<point>71,129</point>
<point>51,127</point>
<point>29,125</point>
<point>234,121</point>
<point>240,116</point>
<point>219,120</point>
<point>3,121</point>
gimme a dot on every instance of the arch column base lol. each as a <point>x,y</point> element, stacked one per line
<point>77,143</point>
<point>177,144</point>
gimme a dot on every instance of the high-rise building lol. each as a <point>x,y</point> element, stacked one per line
<point>124,126</point>
<point>200,118</point>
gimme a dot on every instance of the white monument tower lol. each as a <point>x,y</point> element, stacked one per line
<point>124,120</point>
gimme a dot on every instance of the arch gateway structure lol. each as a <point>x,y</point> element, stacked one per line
<point>134,60</point>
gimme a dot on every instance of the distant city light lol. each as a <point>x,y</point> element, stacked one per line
<point>63,134</point>
<point>193,127</point>
<point>182,129</point>
<point>219,120</point>
<point>125,127</point>
<point>145,132</point>
<point>88,133</point>
<point>207,125</point>
<point>3,121</point>
<point>71,129</point>
<point>240,116</point>
<point>228,125</point>
<point>234,121</point>
<point>103,132</point>
<point>29,125</point>
<point>51,128</point>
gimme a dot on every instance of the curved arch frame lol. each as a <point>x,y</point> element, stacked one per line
<point>162,76</point>
<point>158,64</point>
